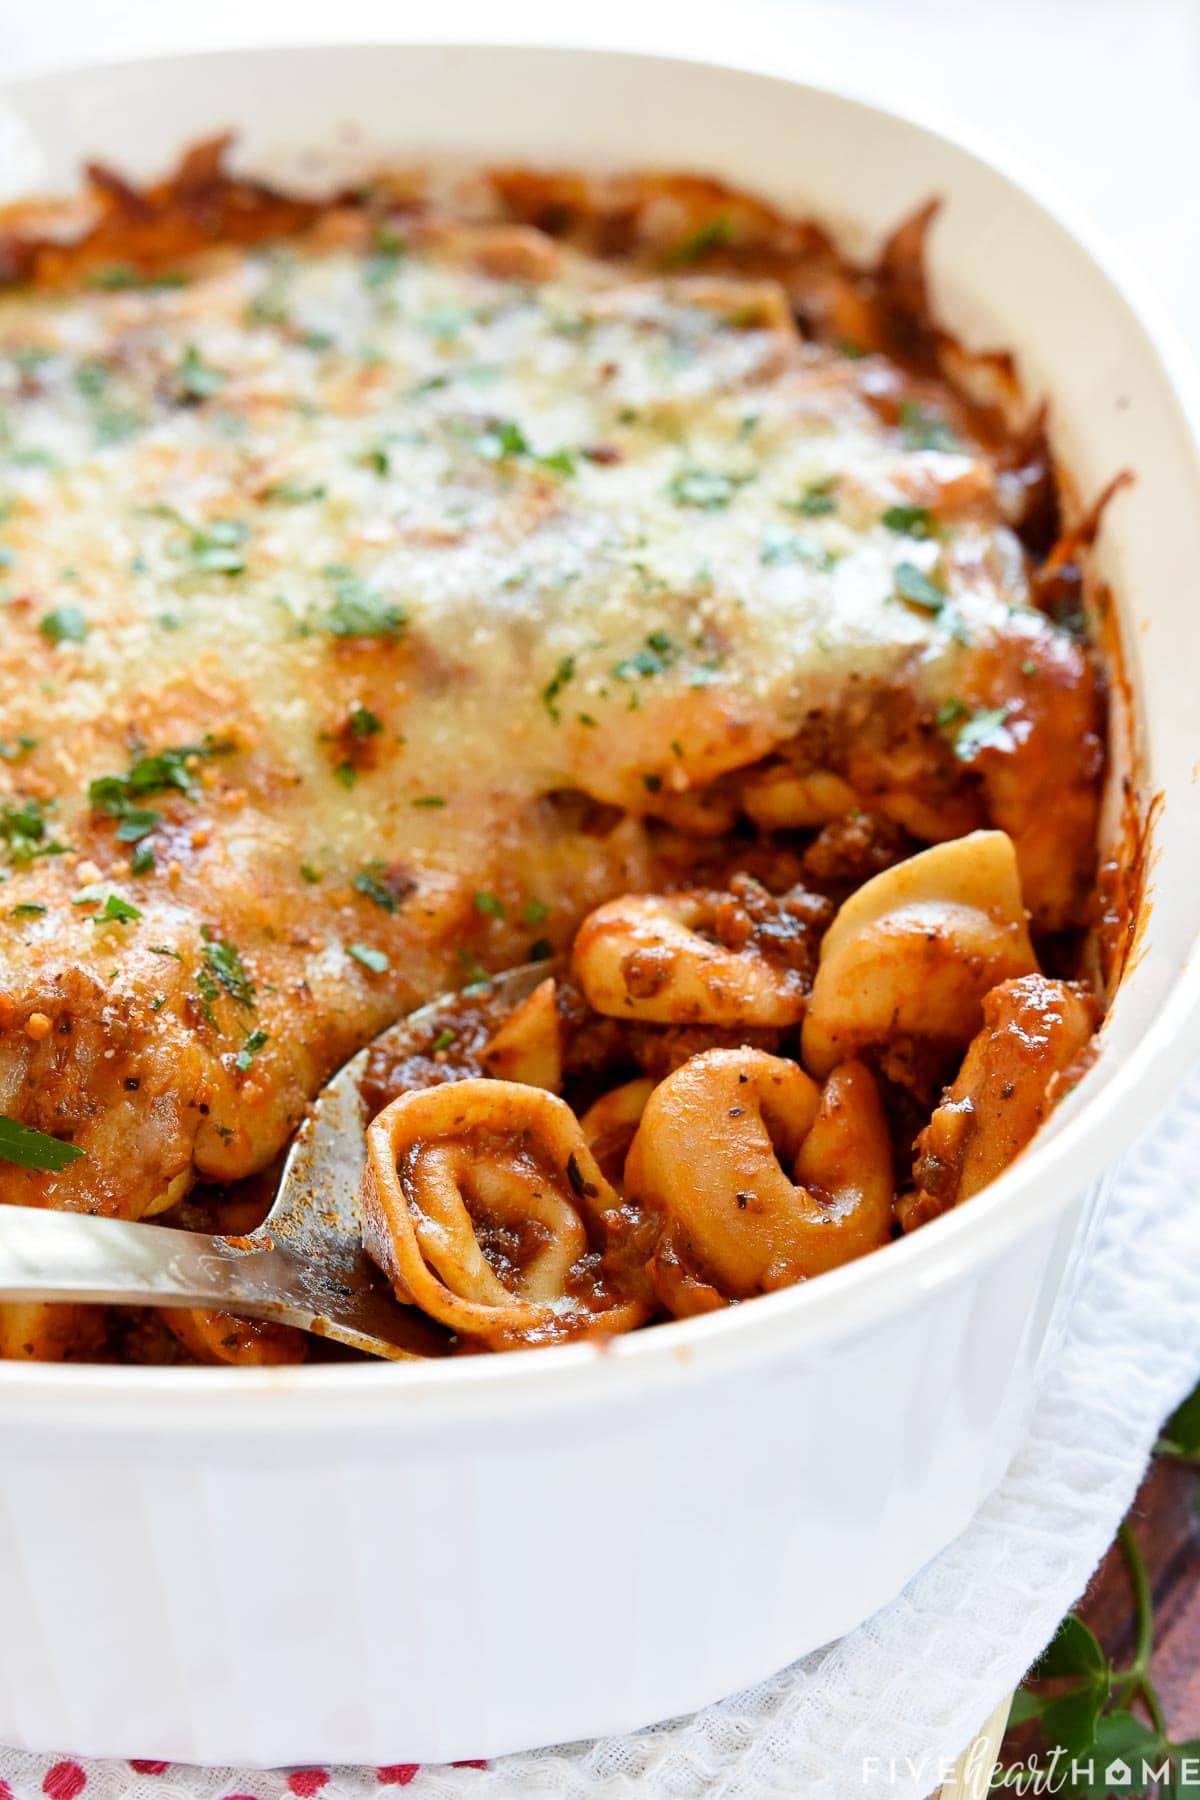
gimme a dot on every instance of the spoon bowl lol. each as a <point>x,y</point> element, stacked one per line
<point>305,1264</point>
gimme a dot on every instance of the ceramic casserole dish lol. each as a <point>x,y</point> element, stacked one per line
<point>362,1564</point>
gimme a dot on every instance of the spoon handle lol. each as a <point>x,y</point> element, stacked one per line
<point>47,1255</point>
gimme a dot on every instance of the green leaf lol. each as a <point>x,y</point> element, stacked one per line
<point>116,911</point>
<point>225,963</point>
<point>1181,1433</point>
<point>372,959</point>
<point>1073,1650</point>
<point>34,1149</point>
<point>911,521</point>
<point>713,235</point>
<point>707,489</point>
<point>1026,1705</point>
<point>980,731</point>
<point>912,584</point>
<point>924,428</point>
<point>367,882</point>
<point>1121,1737</point>
<point>359,611</point>
<point>195,379</point>
<point>250,1049</point>
<point>1070,1720</point>
<point>815,501</point>
<point>65,625</point>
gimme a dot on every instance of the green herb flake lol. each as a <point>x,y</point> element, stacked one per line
<point>372,959</point>
<point>31,1149</point>
<point>250,1049</point>
<point>782,546</point>
<point>164,950</point>
<point>363,722</point>
<point>714,235</point>
<point>310,873</point>
<point>442,1041</point>
<point>950,712</point>
<point>910,521</point>
<point>19,747</point>
<point>914,586</point>
<point>224,962</point>
<point>293,493</point>
<point>816,501</point>
<point>65,625</point>
<point>28,909</point>
<point>564,673</point>
<point>924,428</point>
<point>707,489</point>
<point>195,379</point>
<point>429,800</point>
<point>116,911</point>
<point>980,732</point>
<point>367,882</point>
<point>488,904</point>
<point>142,860</point>
<point>535,912</point>
<point>23,831</point>
<point>218,548</point>
<point>360,611</point>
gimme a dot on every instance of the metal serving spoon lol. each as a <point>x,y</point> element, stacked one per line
<point>304,1265</point>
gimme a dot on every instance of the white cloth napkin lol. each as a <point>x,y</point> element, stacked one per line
<point>880,1712</point>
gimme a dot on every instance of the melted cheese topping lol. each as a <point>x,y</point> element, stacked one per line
<point>395,542</point>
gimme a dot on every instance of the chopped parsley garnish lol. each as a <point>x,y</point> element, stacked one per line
<point>293,493</point>
<point>980,730</point>
<point>65,625</point>
<point>250,1049</point>
<point>503,437</point>
<point>142,860</point>
<point>218,548</point>
<point>564,673</point>
<point>712,236</point>
<point>815,501</point>
<point>167,771</point>
<point>363,722</point>
<point>442,1041</point>
<point>195,379</point>
<point>346,773</point>
<point>708,489</point>
<point>950,712</point>
<point>782,546</point>
<point>488,903</point>
<point>387,251</point>
<point>223,961</point>
<point>164,950</point>
<point>376,458</point>
<point>28,909</point>
<point>116,911</point>
<point>535,912</point>
<point>117,277</point>
<point>924,428</point>
<point>656,655</point>
<point>367,883</point>
<point>911,521</point>
<point>310,873</point>
<point>23,832</point>
<point>372,959</point>
<point>31,1149</point>
<point>429,800</point>
<point>360,611</point>
<point>913,585</point>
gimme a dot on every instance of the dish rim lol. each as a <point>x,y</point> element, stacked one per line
<point>795,1321</point>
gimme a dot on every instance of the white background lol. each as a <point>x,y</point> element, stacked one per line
<point>1102,96</point>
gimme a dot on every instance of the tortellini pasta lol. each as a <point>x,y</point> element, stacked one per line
<point>912,953</point>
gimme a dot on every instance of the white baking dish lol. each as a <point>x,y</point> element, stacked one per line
<point>374,1564</point>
